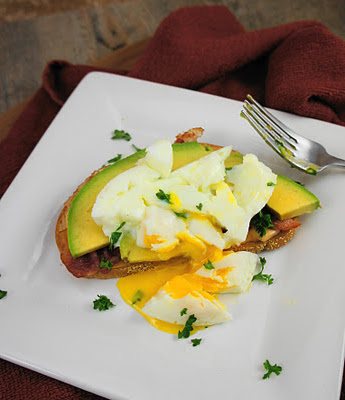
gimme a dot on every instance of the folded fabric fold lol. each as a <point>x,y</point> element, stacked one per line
<point>298,67</point>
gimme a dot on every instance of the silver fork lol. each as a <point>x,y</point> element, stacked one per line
<point>300,152</point>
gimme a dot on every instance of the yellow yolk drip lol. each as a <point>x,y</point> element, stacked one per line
<point>149,282</point>
<point>178,276</point>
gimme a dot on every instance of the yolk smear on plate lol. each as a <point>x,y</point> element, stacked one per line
<point>147,284</point>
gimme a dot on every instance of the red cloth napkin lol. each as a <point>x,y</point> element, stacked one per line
<point>298,67</point>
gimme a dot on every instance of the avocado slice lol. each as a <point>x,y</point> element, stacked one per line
<point>84,235</point>
<point>290,199</point>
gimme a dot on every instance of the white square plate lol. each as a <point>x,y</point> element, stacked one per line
<point>47,320</point>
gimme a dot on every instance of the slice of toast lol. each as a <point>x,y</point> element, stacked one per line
<point>87,266</point>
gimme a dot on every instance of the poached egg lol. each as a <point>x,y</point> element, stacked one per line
<point>196,211</point>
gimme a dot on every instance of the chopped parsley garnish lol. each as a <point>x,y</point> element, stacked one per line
<point>136,148</point>
<point>209,265</point>
<point>138,295</point>
<point>261,222</point>
<point>183,312</point>
<point>228,169</point>
<point>263,277</point>
<point>102,303</point>
<point>113,160</point>
<point>311,171</point>
<point>196,342</point>
<point>199,207</point>
<point>163,196</point>
<point>3,293</point>
<point>271,183</point>
<point>188,328</point>
<point>271,369</point>
<point>105,264</point>
<point>181,215</point>
<point>115,236</point>
<point>121,135</point>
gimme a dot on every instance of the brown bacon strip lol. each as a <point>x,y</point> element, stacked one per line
<point>191,135</point>
<point>287,224</point>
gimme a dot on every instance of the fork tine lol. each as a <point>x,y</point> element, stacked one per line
<point>282,145</point>
<point>268,124</point>
<point>281,127</point>
<point>260,130</point>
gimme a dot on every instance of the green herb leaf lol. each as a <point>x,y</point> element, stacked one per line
<point>228,169</point>
<point>102,303</point>
<point>183,312</point>
<point>199,207</point>
<point>261,222</point>
<point>105,264</point>
<point>181,215</point>
<point>277,369</point>
<point>209,265</point>
<point>188,328</point>
<point>3,293</point>
<point>208,148</point>
<point>115,236</point>
<point>136,148</point>
<point>271,183</point>
<point>121,135</point>
<point>196,342</point>
<point>311,171</point>
<point>139,294</point>
<point>113,160</point>
<point>263,277</point>
<point>163,196</point>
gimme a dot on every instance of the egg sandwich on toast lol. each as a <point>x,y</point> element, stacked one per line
<point>170,204</point>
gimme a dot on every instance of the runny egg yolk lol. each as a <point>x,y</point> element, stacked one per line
<point>148,283</point>
<point>177,278</point>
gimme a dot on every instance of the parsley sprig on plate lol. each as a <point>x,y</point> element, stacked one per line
<point>117,134</point>
<point>3,293</point>
<point>196,342</point>
<point>263,277</point>
<point>276,369</point>
<point>103,303</point>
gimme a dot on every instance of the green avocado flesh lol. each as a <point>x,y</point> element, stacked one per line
<point>84,235</point>
<point>290,199</point>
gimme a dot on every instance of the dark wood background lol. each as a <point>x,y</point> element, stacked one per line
<point>81,31</point>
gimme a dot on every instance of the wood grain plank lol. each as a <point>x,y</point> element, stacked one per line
<point>122,59</point>
<point>16,10</point>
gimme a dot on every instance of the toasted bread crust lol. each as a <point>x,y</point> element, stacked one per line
<point>87,266</point>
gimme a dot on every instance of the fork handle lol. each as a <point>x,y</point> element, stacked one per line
<point>336,162</point>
